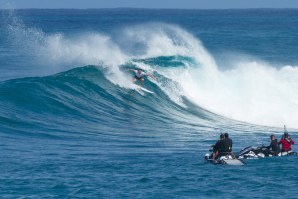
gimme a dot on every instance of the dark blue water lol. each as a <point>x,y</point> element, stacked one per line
<point>72,124</point>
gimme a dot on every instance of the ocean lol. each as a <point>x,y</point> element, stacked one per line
<point>73,124</point>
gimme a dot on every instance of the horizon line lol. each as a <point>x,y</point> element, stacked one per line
<point>264,8</point>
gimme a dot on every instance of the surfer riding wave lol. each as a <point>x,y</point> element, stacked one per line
<point>139,76</point>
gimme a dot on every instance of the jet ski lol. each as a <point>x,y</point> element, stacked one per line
<point>260,152</point>
<point>224,158</point>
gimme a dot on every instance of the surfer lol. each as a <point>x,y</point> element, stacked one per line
<point>223,146</point>
<point>139,76</point>
<point>222,152</point>
<point>228,143</point>
<point>218,148</point>
<point>273,146</point>
<point>286,143</point>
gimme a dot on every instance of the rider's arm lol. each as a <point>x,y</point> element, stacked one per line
<point>268,147</point>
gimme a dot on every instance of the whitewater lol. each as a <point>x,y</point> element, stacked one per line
<point>72,120</point>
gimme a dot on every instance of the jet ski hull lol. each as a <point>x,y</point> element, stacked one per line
<point>224,159</point>
<point>261,152</point>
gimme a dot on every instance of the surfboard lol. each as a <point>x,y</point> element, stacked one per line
<point>233,162</point>
<point>144,89</point>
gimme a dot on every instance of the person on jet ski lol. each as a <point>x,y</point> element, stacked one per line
<point>218,148</point>
<point>228,143</point>
<point>274,146</point>
<point>286,143</point>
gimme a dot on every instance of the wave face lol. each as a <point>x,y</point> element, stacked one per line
<point>84,96</point>
<point>69,107</point>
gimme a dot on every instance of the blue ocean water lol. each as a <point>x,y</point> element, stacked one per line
<point>72,124</point>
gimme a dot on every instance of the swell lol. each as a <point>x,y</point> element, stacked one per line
<point>83,100</point>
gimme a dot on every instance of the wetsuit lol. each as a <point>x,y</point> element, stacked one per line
<point>274,147</point>
<point>227,145</point>
<point>219,146</point>
<point>286,144</point>
<point>139,76</point>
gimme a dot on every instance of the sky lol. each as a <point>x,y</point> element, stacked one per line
<point>187,4</point>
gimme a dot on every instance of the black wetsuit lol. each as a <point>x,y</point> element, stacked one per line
<point>227,145</point>
<point>274,146</point>
<point>219,146</point>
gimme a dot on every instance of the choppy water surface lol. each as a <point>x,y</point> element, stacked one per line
<point>72,124</point>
